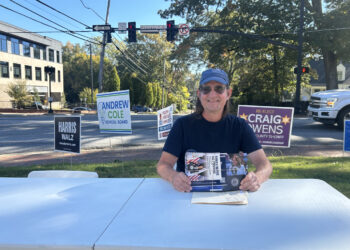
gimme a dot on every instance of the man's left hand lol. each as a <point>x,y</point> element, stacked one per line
<point>250,182</point>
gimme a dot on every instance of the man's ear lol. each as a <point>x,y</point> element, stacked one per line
<point>198,93</point>
<point>229,93</point>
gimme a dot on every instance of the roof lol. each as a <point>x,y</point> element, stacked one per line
<point>318,66</point>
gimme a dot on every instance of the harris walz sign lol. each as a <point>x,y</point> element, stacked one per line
<point>67,133</point>
<point>271,125</point>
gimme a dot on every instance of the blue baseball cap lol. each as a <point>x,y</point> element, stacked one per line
<point>217,75</point>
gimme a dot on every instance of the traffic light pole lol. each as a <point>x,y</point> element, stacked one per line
<point>102,55</point>
<point>50,97</point>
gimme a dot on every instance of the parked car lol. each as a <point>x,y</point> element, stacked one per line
<point>330,106</point>
<point>78,109</point>
<point>139,108</point>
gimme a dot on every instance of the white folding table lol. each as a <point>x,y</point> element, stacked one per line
<point>283,214</point>
<point>59,213</point>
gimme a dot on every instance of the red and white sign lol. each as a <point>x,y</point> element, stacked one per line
<point>184,29</point>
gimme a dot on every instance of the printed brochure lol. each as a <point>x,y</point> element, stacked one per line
<point>215,172</point>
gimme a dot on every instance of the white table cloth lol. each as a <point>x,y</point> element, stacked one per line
<point>283,214</point>
<point>59,213</point>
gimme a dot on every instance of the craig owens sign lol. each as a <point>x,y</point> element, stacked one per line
<point>271,125</point>
<point>114,112</point>
<point>67,133</point>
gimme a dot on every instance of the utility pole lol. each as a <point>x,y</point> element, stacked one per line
<point>297,107</point>
<point>92,77</point>
<point>102,55</point>
<point>163,85</point>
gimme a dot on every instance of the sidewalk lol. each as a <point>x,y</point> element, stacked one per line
<point>143,153</point>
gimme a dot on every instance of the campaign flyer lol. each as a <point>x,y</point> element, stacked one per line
<point>215,172</point>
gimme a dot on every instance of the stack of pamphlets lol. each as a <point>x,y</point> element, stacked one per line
<point>212,172</point>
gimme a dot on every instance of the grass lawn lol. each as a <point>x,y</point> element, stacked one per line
<point>334,171</point>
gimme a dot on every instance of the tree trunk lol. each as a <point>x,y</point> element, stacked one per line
<point>275,75</point>
<point>330,66</point>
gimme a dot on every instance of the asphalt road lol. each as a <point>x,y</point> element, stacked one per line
<point>35,133</point>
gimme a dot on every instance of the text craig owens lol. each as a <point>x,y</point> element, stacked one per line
<point>267,122</point>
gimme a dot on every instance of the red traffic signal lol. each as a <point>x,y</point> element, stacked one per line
<point>132,32</point>
<point>171,31</point>
<point>303,70</point>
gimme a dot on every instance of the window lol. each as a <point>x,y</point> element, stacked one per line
<point>28,70</point>
<point>16,70</point>
<point>44,53</point>
<point>3,43</point>
<point>46,76</point>
<point>37,74</point>
<point>36,51</point>
<point>51,55</point>
<point>26,48</point>
<point>53,76</point>
<point>15,46</point>
<point>59,76</point>
<point>4,69</point>
<point>57,56</point>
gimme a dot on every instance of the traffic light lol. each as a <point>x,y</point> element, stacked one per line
<point>132,32</point>
<point>303,70</point>
<point>49,70</point>
<point>171,31</point>
<point>109,37</point>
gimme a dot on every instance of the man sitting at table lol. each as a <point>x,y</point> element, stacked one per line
<point>212,129</point>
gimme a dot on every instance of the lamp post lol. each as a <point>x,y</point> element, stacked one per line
<point>50,70</point>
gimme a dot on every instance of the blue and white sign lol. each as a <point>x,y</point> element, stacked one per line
<point>165,122</point>
<point>114,112</point>
<point>347,135</point>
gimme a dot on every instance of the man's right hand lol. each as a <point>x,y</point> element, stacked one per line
<point>181,182</point>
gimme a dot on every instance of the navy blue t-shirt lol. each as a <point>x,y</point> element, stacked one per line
<point>192,132</point>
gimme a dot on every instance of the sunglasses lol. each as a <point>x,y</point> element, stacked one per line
<point>207,89</point>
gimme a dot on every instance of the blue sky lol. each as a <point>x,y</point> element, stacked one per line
<point>143,12</point>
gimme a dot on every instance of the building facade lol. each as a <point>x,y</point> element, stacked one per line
<point>23,57</point>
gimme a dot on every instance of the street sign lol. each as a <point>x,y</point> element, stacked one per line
<point>184,29</point>
<point>152,28</point>
<point>104,27</point>
<point>67,133</point>
<point>121,28</point>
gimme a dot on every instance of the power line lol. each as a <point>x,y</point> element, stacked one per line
<point>47,31</point>
<point>64,31</point>
<point>87,26</point>
<point>129,59</point>
<point>91,10</point>
<point>133,56</point>
<point>51,14</point>
<point>46,18</point>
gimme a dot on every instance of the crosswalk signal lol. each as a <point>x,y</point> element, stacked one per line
<point>170,31</point>
<point>303,70</point>
<point>132,32</point>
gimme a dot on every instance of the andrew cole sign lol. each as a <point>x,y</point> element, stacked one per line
<point>114,112</point>
<point>67,133</point>
<point>272,125</point>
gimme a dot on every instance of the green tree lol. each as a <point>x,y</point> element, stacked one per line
<point>85,94</point>
<point>77,71</point>
<point>149,95</point>
<point>19,93</point>
<point>277,20</point>
<point>112,80</point>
